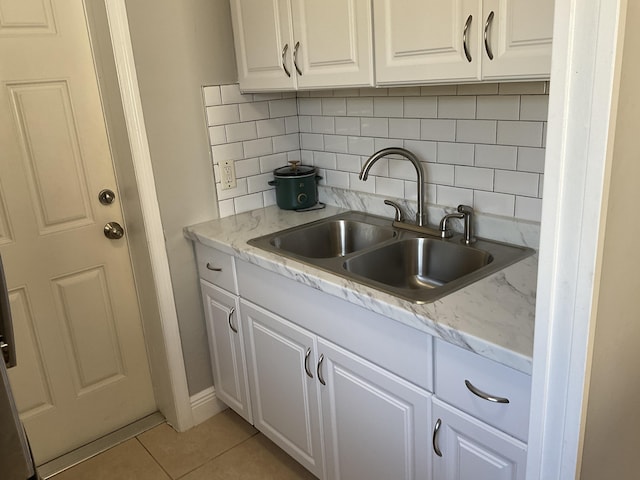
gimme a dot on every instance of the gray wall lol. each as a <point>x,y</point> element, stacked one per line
<point>180,46</point>
<point>613,416</point>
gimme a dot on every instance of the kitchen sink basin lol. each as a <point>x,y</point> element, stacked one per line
<point>411,265</point>
<point>334,238</point>
<point>418,263</point>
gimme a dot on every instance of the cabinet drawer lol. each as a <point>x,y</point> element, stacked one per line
<point>459,371</point>
<point>216,267</point>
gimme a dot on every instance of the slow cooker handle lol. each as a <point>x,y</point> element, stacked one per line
<point>272,182</point>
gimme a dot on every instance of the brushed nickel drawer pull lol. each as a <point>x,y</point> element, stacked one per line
<point>485,396</point>
<point>284,65</point>
<point>295,58</point>
<point>212,268</point>
<point>306,363</point>
<point>231,312</point>
<point>436,429</point>
<point>464,38</point>
<point>487,47</point>
<point>319,369</point>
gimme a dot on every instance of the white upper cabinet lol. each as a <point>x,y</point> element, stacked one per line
<point>290,44</point>
<point>436,41</point>
<point>518,37</point>
<point>422,41</point>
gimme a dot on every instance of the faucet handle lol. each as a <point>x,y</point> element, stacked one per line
<point>467,211</point>
<point>399,217</point>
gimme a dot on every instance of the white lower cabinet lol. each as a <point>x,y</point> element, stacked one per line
<point>465,448</point>
<point>375,423</point>
<point>284,393</point>
<point>228,364</point>
<point>372,425</point>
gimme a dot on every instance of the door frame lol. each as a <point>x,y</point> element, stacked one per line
<point>162,334</point>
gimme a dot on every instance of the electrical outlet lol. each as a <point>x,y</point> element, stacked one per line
<point>228,174</point>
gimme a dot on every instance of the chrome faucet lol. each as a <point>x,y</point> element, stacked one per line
<point>421,217</point>
<point>465,213</point>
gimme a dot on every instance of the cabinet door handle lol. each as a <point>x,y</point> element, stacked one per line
<point>487,25</point>
<point>319,369</point>
<point>485,396</point>
<point>284,65</point>
<point>231,312</point>
<point>212,268</point>
<point>295,58</point>
<point>436,429</point>
<point>306,363</point>
<point>464,38</point>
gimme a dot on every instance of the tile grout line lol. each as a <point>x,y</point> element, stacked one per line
<point>152,457</point>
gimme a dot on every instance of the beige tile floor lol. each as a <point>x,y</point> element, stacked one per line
<point>224,447</point>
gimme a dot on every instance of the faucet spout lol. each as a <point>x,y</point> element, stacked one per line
<point>421,217</point>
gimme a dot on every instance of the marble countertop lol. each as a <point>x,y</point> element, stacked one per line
<point>493,317</point>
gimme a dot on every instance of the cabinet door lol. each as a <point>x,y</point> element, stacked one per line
<point>284,392</point>
<point>518,37</point>
<point>472,450</point>
<point>376,425</point>
<point>227,350</point>
<point>263,41</point>
<point>333,42</point>
<point>421,41</point>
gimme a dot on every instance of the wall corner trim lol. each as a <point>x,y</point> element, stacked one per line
<point>205,404</point>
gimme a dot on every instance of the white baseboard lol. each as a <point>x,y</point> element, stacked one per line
<point>205,405</point>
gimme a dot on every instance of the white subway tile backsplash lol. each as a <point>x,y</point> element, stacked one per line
<point>231,94</point>
<point>347,126</point>
<point>374,127</point>
<point>474,177</point>
<point>476,131</point>
<point>286,143</point>
<point>253,111</point>
<point>480,144</point>
<point>496,156</point>
<point>311,141</point>
<point>495,203</point>
<point>360,107</point>
<point>283,108</point>
<point>336,143</point>
<point>322,124</point>
<point>498,107</point>
<point>455,153</point>
<point>222,115</point>
<point>229,151</point>
<point>388,107</point>
<point>309,106</point>
<point>269,128</point>
<point>534,107</point>
<point>531,159</point>
<point>248,202</point>
<point>349,163</point>
<point>518,183</point>
<point>529,208</point>
<point>212,96</point>
<point>420,107</point>
<point>404,128</point>
<point>237,132</point>
<point>390,187</point>
<point>439,130</point>
<point>334,106</point>
<point>360,145</point>
<point>425,151</point>
<point>524,134</point>
<point>453,196</point>
<point>457,107</point>
<point>257,148</point>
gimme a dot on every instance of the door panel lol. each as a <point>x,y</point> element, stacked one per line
<point>82,366</point>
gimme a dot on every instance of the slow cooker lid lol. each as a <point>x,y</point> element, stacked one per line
<point>294,169</point>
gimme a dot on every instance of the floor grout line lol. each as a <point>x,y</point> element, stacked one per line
<point>152,457</point>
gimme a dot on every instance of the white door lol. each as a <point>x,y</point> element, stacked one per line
<point>421,41</point>
<point>225,344</point>
<point>464,448</point>
<point>281,358</point>
<point>332,43</point>
<point>376,425</point>
<point>518,37</point>
<point>264,44</point>
<point>82,367</point>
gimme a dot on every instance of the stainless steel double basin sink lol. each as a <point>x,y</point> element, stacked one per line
<point>369,250</point>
